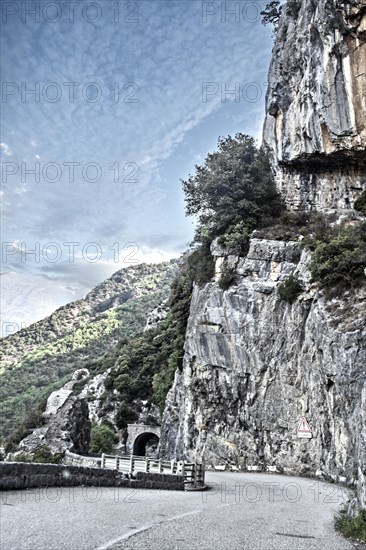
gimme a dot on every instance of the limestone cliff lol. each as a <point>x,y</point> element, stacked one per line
<point>315,126</point>
<point>66,424</point>
<point>255,364</point>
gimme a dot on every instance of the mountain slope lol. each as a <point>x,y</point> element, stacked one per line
<point>42,357</point>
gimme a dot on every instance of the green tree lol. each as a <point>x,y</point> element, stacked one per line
<point>272,13</point>
<point>103,439</point>
<point>233,188</point>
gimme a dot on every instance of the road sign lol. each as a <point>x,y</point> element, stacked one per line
<point>304,430</point>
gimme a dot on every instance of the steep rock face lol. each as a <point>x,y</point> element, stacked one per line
<point>254,365</point>
<point>315,127</point>
<point>66,422</point>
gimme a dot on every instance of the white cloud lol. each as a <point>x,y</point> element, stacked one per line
<point>6,149</point>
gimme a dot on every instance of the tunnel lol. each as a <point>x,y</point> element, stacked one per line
<point>145,444</point>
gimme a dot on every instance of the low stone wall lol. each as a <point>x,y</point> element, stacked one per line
<point>72,459</point>
<point>23,475</point>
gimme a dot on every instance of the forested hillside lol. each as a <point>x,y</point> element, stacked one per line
<point>42,357</point>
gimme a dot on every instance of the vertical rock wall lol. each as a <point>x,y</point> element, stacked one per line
<point>315,126</point>
<point>254,365</point>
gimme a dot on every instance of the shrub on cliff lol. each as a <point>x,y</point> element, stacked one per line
<point>290,289</point>
<point>273,10</point>
<point>360,203</point>
<point>146,365</point>
<point>32,418</point>
<point>339,261</point>
<point>233,189</point>
<point>227,277</point>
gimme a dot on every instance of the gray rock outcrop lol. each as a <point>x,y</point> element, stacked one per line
<point>66,424</point>
<point>254,365</point>
<point>315,126</point>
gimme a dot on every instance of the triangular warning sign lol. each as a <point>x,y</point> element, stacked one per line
<point>304,429</point>
<point>303,425</point>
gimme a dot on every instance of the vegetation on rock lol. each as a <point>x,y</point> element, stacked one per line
<point>233,192</point>
<point>290,289</point>
<point>227,277</point>
<point>360,203</point>
<point>146,365</point>
<point>41,455</point>
<point>272,13</point>
<point>353,528</point>
<point>103,439</point>
<point>339,258</point>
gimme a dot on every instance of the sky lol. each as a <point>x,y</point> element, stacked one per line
<point>106,105</point>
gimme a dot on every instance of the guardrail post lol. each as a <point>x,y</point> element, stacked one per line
<point>172,464</point>
<point>195,474</point>
<point>146,464</point>
<point>117,462</point>
<point>160,466</point>
<point>131,464</point>
<point>102,462</point>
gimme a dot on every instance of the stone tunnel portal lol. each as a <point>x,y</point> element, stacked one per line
<point>145,444</point>
<point>142,439</point>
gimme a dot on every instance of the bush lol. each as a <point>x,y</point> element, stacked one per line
<point>42,455</point>
<point>33,419</point>
<point>360,203</point>
<point>103,439</point>
<point>354,528</point>
<point>290,289</point>
<point>201,264</point>
<point>227,277</point>
<point>236,239</point>
<point>125,415</point>
<point>340,261</point>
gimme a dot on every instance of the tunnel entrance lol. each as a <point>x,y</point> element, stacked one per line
<point>146,444</point>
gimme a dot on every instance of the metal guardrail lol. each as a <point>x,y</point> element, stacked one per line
<point>193,473</point>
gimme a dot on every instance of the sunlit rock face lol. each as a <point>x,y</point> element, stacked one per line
<point>255,364</point>
<point>315,126</point>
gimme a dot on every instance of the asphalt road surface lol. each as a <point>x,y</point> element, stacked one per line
<point>241,511</point>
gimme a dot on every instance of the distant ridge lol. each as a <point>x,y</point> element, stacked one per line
<point>42,357</point>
